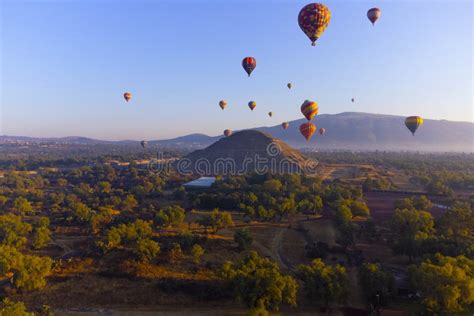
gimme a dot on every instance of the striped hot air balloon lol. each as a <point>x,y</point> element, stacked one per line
<point>127,96</point>
<point>307,130</point>
<point>252,105</point>
<point>309,109</point>
<point>285,125</point>
<point>313,20</point>
<point>222,104</point>
<point>413,122</point>
<point>227,132</point>
<point>249,64</point>
<point>374,14</point>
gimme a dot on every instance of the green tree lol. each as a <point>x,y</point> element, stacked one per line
<point>445,283</point>
<point>258,282</point>
<point>216,220</point>
<point>41,237</point>
<point>324,282</point>
<point>13,230</point>
<point>243,238</point>
<point>171,215</point>
<point>22,205</point>
<point>197,252</point>
<point>375,282</point>
<point>10,308</point>
<point>129,203</point>
<point>147,249</point>
<point>32,273</point>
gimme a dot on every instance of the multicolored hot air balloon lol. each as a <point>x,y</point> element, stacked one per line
<point>289,85</point>
<point>222,104</point>
<point>374,14</point>
<point>285,125</point>
<point>249,64</point>
<point>309,109</point>
<point>307,130</point>
<point>143,143</point>
<point>227,132</point>
<point>322,130</point>
<point>127,96</point>
<point>413,122</point>
<point>252,105</point>
<point>270,114</point>
<point>313,20</point>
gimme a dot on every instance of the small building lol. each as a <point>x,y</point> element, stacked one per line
<point>200,183</point>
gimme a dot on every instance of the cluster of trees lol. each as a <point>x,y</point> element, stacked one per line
<point>216,220</point>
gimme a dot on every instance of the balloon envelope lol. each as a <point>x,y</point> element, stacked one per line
<point>252,105</point>
<point>285,125</point>
<point>322,130</point>
<point>222,104</point>
<point>227,132</point>
<point>309,109</point>
<point>127,96</point>
<point>249,64</point>
<point>270,114</point>
<point>289,85</point>
<point>143,143</point>
<point>374,14</point>
<point>413,122</point>
<point>313,20</point>
<point>307,130</point>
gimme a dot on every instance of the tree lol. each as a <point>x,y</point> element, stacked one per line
<point>197,252</point>
<point>81,211</point>
<point>41,237</point>
<point>457,222</point>
<point>375,282</point>
<point>243,238</point>
<point>10,308</point>
<point>171,215</point>
<point>147,249</point>
<point>13,230</point>
<point>272,186</point>
<point>359,208</point>
<point>22,205</point>
<point>32,273</point>
<point>257,282</point>
<point>175,252</point>
<point>445,283</point>
<point>409,227</point>
<point>216,220</point>
<point>129,203</point>
<point>321,281</point>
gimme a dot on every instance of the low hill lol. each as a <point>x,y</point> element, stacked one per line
<point>244,152</point>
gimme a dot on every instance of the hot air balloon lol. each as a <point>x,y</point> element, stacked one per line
<point>307,130</point>
<point>270,114</point>
<point>288,85</point>
<point>249,64</point>
<point>309,109</point>
<point>222,104</point>
<point>127,96</point>
<point>227,132</point>
<point>413,122</point>
<point>352,100</point>
<point>143,143</point>
<point>374,14</point>
<point>313,20</point>
<point>322,130</point>
<point>252,105</point>
<point>285,125</point>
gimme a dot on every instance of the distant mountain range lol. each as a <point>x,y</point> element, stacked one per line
<point>348,130</point>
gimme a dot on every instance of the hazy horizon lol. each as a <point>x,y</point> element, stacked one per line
<point>65,65</point>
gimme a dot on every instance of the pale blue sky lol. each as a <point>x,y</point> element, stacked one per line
<point>66,64</point>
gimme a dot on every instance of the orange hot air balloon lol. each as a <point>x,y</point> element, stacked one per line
<point>127,96</point>
<point>307,130</point>
<point>222,104</point>
<point>252,105</point>
<point>309,109</point>
<point>322,130</point>
<point>249,64</point>
<point>227,132</point>
<point>270,114</point>
<point>285,125</point>
<point>374,14</point>
<point>313,20</point>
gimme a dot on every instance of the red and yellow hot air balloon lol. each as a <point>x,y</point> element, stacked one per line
<point>270,114</point>
<point>374,14</point>
<point>307,130</point>
<point>252,105</point>
<point>222,104</point>
<point>227,132</point>
<point>309,109</point>
<point>249,64</point>
<point>313,20</point>
<point>285,125</point>
<point>322,130</point>
<point>127,96</point>
<point>413,122</point>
